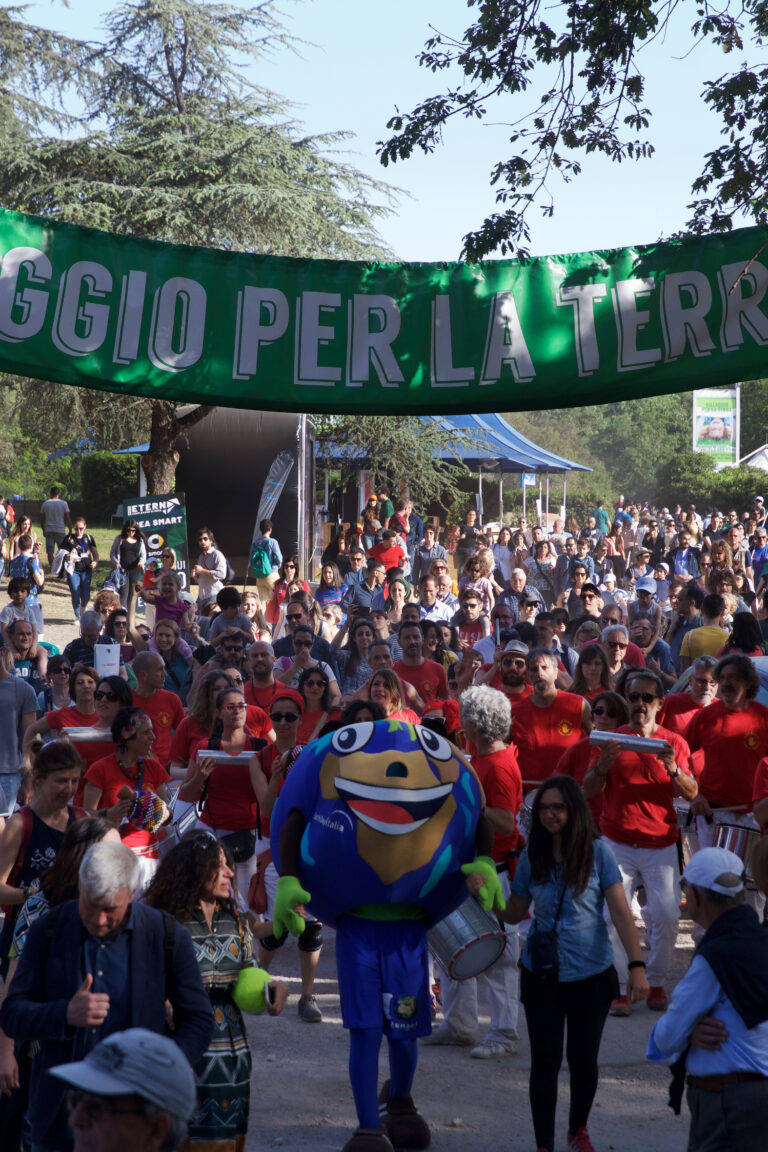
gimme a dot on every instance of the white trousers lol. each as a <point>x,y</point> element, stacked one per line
<point>657,870</point>
<point>501,985</point>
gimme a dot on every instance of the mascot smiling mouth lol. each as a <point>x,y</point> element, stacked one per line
<point>391,810</point>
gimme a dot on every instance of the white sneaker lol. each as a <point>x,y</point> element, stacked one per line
<point>493,1050</point>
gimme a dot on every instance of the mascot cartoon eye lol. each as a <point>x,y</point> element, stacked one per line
<point>352,738</point>
<point>433,744</point>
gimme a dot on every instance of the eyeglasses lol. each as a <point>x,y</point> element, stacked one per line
<point>233,647</point>
<point>315,683</point>
<point>617,644</point>
<point>100,694</point>
<point>62,672</point>
<point>296,616</point>
<point>235,707</point>
<point>555,809</point>
<point>97,1107</point>
<point>600,711</point>
<point>646,697</point>
<point>702,682</point>
<point>509,661</point>
<point>288,717</point>
<point>236,679</point>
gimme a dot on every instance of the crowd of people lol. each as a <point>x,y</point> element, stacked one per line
<point>600,678</point>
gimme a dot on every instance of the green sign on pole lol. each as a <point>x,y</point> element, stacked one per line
<point>194,324</point>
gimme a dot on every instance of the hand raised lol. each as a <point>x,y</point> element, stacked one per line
<point>87,1009</point>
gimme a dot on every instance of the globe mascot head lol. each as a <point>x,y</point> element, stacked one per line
<point>391,811</point>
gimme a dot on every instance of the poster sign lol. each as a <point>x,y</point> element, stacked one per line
<point>199,325</point>
<point>527,479</point>
<point>716,425</point>
<point>163,520</point>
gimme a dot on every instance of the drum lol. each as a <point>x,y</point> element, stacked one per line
<point>686,823</point>
<point>736,838</point>
<point>525,815</point>
<point>468,941</point>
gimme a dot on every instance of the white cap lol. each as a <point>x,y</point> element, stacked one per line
<point>708,864</point>
<point>136,1063</point>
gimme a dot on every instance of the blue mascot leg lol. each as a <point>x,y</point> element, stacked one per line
<point>364,1044</point>
<point>403,1055</point>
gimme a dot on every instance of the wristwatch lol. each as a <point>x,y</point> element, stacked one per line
<point>675,774</point>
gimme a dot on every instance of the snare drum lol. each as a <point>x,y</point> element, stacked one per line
<point>525,815</point>
<point>736,838</point>
<point>467,941</point>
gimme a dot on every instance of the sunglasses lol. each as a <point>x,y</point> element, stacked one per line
<point>62,672</point>
<point>100,694</point>
<point>617,644</point>
<point>600,711</point>
<point>295,617</point>
<point>236,679</point>
<point>315,683</point>
<point>508,663</point>
<point>646,697</point>
<point>288,717</point>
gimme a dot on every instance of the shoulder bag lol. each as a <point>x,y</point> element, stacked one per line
<point>542,946</point>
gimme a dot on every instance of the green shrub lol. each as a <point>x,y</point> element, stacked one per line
<point>106,479</point>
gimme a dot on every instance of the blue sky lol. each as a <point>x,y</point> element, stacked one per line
<point>360,62</point>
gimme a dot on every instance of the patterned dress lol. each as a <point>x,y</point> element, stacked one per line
<point>223,1072</point>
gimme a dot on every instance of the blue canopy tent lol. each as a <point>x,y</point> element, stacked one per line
<point>498,447</point>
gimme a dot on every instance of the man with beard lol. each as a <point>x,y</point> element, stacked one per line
<point>639,822</point>
<point>679,708</point>
<point>507,672</point>
<point>548,721</point>
<point>426,676</point>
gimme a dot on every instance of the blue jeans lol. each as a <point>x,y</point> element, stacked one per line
<point>80,589</point>
<point>10,782</point>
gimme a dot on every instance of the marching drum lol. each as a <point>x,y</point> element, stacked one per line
<point>525,815</point>
<point>739,839</point>
<point>467,941</point>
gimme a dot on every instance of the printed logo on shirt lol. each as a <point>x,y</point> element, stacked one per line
<point>565,727</point>
<point>750,741</point>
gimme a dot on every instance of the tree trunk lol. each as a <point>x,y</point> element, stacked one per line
<point>159,463</point>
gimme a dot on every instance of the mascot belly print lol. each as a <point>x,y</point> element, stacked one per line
<point>376,829</point>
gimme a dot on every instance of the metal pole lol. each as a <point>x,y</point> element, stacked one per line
<point>522,481</point>
<point>546,514</point>
<point>501,499</point>
<point>565,474</point>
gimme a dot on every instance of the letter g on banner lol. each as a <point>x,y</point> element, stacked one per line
<point>28,304</point>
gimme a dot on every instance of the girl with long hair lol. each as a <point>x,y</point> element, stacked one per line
<point>592,673</point>
<point>352,661</point>
<point>315,688</point>
<point>386,690</point>
<point>567,974</point>
<point>129,554</point>
<point>194,885</point>
<point>331,589</point>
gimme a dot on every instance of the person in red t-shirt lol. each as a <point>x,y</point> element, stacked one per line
<point>426,676</point>
<point>485,716</point>
<point>507,673</point>
<point>475,626</point>
<point>609,712</point>
<point>164,709</point>
<point>548,721</point>
<point>81,714</point>
<point>639,822</point>
<point>679,708</point>
<point>760,794</point>
<point>390,552</point>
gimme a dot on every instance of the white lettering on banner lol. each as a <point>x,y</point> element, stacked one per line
<point>742,311</point>
<point>505,343</point>
<point>582,298</point>
<point>262,318</point>
<point>311,336</point>
<point>367,348</point>
<point>686,324</point>
<point>630,321</point>
<point>443,372</point>
<point>129,317</point>
<point>179,307</point>
<point>30,304</point>
<point>80,325</point>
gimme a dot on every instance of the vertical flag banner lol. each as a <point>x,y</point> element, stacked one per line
<point>716,421</point>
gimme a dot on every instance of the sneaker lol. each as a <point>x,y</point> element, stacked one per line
<point>580,1141</point>
<point>621,1006</point>
<point>493,1050</point>
<point>446,1035</point>
<point>309,1011</point>
<point>657,1001</point>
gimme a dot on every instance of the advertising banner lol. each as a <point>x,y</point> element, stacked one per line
<point>716,425</point>
<point>246,331</point>
<point>163,520</point>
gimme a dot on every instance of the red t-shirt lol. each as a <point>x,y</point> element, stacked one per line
<point>639,798</point>
<point>166,712</point>
<point>406,715</point>
<point>310,721</point>
<point>390,555</point>
<point>268,756</point>
<point>428,678</point>
<point>497,683</point>
<point>760,787</point>
<point>70,718</point>
<point>471,632</point>
<point>677,711</point>
<point>230,800</point>
<point>107,775</point>
<point>502,783</point>
<point>574,762</point>
<point>263,697</point>
<point>732,745</point>
<point>541,735</point>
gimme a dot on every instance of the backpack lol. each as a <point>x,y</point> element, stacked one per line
<point>261,565</point>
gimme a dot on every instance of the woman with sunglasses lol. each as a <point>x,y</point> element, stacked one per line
<point>592,674</point>
<point>112,693</point>
<point>609,712</point>
<point>314,687</point>
<point>128,554</point>
<point>194,885</point>
<point>129,766</point>
<point>570,876</point>
<point>287,573</point>
<point>570,597</point>
<point>118,627</point>
<point>210,571</point>
<point>55,693</point>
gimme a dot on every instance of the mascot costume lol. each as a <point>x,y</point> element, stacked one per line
<point>376,829</point>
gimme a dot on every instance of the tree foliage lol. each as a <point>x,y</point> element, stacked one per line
<point>571,72</point>
<point>173,142</point>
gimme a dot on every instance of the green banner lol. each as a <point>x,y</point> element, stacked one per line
<point>201,325</point>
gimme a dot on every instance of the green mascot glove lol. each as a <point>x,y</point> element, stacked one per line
<point>490,895</point>
<point>250,990</point>
<point>289,892</point>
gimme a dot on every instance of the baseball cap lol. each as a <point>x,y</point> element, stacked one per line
<point>646,584</point>
<point>136,1063</point>
<point>516,646</point>
<point>609,578</point>
<point>758,498</point>
<point>706,865</point>
<point>589,587</point>
<point>661,564</point>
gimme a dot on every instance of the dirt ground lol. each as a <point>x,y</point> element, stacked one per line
<point>301,1098</point>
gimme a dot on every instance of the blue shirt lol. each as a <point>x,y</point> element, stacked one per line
<point>700,994</point>
<point>107,959</point>
<point>583,946</point>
